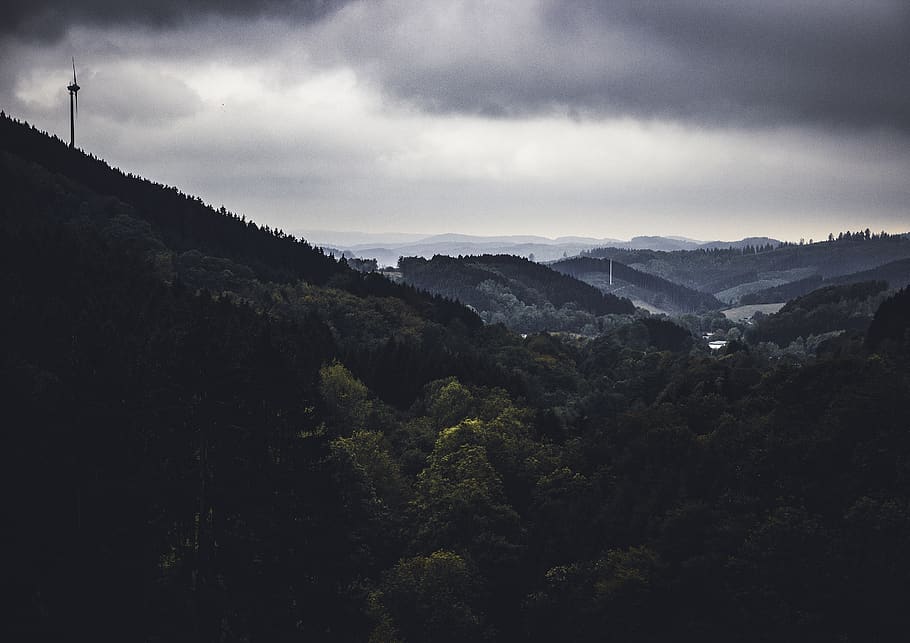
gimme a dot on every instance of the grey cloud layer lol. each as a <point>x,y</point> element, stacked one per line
<point>828,63</point>
<point>835,63</point>
<point>49,19</point>
<point>789,119</point>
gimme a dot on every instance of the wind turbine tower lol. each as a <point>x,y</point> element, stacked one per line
<point>74,105</point>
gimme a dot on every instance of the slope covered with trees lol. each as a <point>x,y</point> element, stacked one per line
<point>194,452</point>
<point>734,274</point>
<point>832,308</point>
<point>161,443</point>
<point>896,274</point>
<point>654,290</point>
<point>524,295</point>
<point>891,322</point>
<point>69,184</point>
<point>784,292</point>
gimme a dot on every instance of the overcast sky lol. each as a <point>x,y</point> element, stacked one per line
<point>552,117</point>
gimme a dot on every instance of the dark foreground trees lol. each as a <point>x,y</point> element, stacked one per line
<point>347,461</point>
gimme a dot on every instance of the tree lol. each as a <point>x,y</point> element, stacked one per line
<point>346,398</point>
<point>367,455</point>
<point>604,599</point>
<point>449,402</point>
<point>461,504</point>
<point>428,598</point>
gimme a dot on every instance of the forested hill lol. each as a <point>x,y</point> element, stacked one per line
<point>895,274</point>
<point>524,295</point>
<point>193,452</point>
<point>656,291</point>
<point>831,308</point>
<point>184,222</point>
<point>732,274</point>
<point>73,185</point>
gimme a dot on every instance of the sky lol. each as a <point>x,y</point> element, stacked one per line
<point>705,119</point>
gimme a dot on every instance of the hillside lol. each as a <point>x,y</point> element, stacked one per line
<point>526,296</point>
<point>896,274</point>
<point>828,309</point>
<point>637,285</point>
<point>731,275</point>
<point>244,440</point>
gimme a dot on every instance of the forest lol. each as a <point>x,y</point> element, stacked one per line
<point>216,432</point>
<point>525,296</point>
<point>645,286</point>
<point>529,297</point>
<point>774,273</point>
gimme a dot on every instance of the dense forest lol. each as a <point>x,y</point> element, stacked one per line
<point>214,432</point>
<point>751,274</point>
<point>523,295</point>
<point>896,274</point>
<point>828,309</point>
<point>652,289</point>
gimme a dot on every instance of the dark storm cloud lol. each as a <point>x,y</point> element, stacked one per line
<point>836,63</point>
<point>49,19</point>
<point>839,63</point>
<point>833,62</point>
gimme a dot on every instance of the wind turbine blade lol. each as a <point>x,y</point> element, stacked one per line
<point>74,70</point>
<point>76,94</point>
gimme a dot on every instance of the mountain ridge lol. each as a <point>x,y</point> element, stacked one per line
<point>538,248</point>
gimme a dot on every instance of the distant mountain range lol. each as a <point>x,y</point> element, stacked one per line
<point>662,274</point>
<point>386,248</point>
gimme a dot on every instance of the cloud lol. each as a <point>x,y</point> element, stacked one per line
<point>836,64</point>
<point>496,117</point>
<point>123,92</point>
<point>328,153</point>
<point>49,20</point>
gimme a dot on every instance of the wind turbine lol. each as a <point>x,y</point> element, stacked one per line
<point>74,105</point>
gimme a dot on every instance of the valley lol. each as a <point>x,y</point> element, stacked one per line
<point>215,430</point>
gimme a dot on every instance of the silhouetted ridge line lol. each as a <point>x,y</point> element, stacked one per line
<point>186,223</point>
